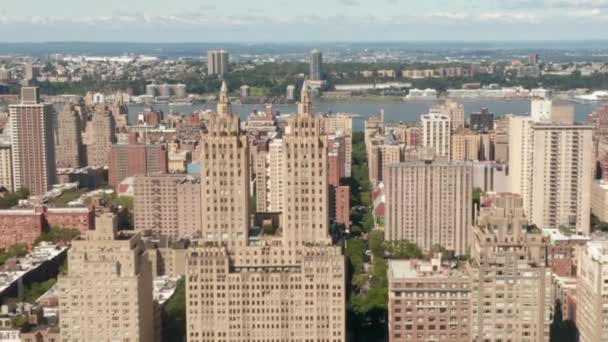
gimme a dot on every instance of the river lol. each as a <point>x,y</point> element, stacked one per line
<point>393,110</point>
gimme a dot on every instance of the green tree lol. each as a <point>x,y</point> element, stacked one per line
<point>20,322</point>
<point>57,234</point>
<point>477,193</point>
<point>355,251</point>
<point>11,199</point>
<point>18,250</point>
<point>597,224</point>
<point>437,248</point>
<point>403,249</point>
<point>268,229</point>
<point>174,315</point>
<point>35,290</point>
<point>368,221</point>
<point>376,243</point>
<point>125,216</point>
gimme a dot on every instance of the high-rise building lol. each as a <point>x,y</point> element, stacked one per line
<point>510,296</point>
<point>305,104</point>
<point>339,196</point>
<point>305,181</point>
<point>501,140</point>
<point>275,176</point>
<point>107,293</point>
<point>30,71</point>
<point>388,154</point>
<point>5,75</point>
<point>33,146</point>
<point>6,165</point>
<point>68,141</point>
<point>136,158</point>
<point>217,62</point>
<point>541,110</point>
<point>296,276</point>
<point>550,166</point>
<point>341,205</point>
<point>225,176</point>
<point>341,124</point>
<point>455,111</point>
<point>120,112</point>
<point>336,156</point>
<point>290,92</point>
<point>599,199</point>
<point>245,91</point>
<point>591,292</point>
<point>599,120</point>
<point>471,146</point>
<point>533,58</point>
<point>428,301</point>
<point>99,137</point>
<point>262,177</point>
<point>436,131</point>
<point>316,65</point>
<point>161,204</point>
<point>429,202</point>
<point>266,292</point>
<point>562,114</point>
<point>406,134</point>
<point>482,121</point>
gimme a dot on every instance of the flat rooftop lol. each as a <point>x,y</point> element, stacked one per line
<point>416,268</point>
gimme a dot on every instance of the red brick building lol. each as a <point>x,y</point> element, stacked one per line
<point>127,160</point>
<point>82,219</point>
<point>26,225</point>
<point>336,160</point>
<point>20,226</point>
<point>342,205</point>
<point>339,209</point>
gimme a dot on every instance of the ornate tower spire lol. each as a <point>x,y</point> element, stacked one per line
<point>223,104</point>
<point>305,105</point>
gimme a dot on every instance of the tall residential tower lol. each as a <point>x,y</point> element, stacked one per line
<point>33,146</point>
<point>316,65</point>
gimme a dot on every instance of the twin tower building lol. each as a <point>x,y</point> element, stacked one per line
<point>285,286</point>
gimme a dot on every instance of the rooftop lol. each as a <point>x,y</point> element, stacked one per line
<point>164,288</point>
<point>415,268</point>
<point>556,235</point>
<point>598,249</point>
<point>40,254</point>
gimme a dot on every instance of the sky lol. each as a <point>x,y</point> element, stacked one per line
<point>303,20</point>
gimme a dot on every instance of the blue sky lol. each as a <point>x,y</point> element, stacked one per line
<point>302,20</point>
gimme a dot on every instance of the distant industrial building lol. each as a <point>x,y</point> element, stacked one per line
<point>166,90</point>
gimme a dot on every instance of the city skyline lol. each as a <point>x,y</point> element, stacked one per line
<point>388,20</point>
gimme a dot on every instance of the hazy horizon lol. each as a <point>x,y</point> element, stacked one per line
<point>312,20</point>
